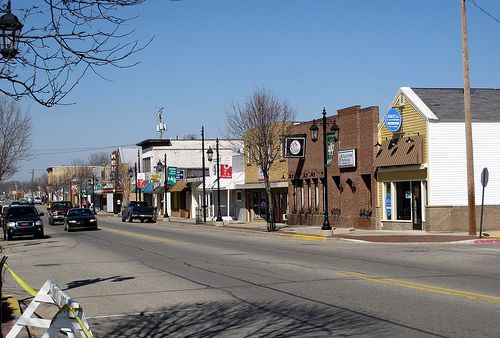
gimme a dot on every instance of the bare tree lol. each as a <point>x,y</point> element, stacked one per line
<point>80,175</point>
<point>65,41</point>
<point>15,137</point>
<point>98,159</point>
<point>261,121</point>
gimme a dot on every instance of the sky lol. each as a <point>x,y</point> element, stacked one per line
<point>205,55</point>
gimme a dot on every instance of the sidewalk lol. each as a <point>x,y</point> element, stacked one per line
<point>374,236</point>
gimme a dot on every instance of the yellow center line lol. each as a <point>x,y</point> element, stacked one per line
<point>423,287</point>
<point>143,236</point>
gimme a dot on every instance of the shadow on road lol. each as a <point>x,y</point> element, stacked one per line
<point>83,282</point>
<point>247,320</point>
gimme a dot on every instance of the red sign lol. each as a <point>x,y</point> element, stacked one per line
<point>141,180</point>
<point>226,168</point>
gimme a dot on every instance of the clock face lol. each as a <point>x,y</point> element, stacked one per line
<point>295,147</point>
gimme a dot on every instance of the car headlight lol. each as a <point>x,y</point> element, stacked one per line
<point>39,222</point>
<point>11,224</point>
<point>72,221</point>
<point>93,220</point>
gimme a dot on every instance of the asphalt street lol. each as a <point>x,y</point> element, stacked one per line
<point>159,280</point>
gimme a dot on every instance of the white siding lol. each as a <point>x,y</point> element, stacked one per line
<point>448,168</point>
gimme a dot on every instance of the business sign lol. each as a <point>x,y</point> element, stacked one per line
<point>330,144</point>
<point>141,180</point>
<point>226,167</point>
<point>295,146</point>
<point>347,158</point>
<point>154,177</point>
<point>388,204</point>
<point>180,174</point>
<point>171,175</point>
<point>393,120</point>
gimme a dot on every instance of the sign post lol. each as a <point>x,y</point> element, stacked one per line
<point>484,182</point>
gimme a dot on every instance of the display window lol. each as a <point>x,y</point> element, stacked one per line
<point>404,201</point>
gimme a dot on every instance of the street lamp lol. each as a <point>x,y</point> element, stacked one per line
<point>159,167</point>
<point>210,154</point>
<point>204,204</point>
<point>332,138</point>
<point>10,28</point>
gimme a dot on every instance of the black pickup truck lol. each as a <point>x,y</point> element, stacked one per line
<point>139,210</point>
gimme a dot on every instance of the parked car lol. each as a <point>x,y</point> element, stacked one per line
<point>57,211</point>
<point>80,218</point>
<point>37,200</point>
<point>138,210</point>
<point>22,220</point>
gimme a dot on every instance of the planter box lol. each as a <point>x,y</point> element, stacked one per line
<point>293,219</point>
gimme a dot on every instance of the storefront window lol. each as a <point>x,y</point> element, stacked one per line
<point>403,201</point>
<point>309,204</point>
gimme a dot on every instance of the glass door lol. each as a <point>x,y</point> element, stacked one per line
<point>416,205</point>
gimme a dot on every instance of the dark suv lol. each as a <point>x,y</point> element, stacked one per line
<point>22,220</point>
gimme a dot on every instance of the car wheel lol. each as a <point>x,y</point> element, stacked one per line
<point>123,219</point>
<point>9,236</point>
<point>4,235</point>
<point>142,220</point>
<point>40,235</point>
<point>130,219</point>
<point>69,229</point>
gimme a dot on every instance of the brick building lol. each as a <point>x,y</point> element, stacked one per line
<point>352,193</point>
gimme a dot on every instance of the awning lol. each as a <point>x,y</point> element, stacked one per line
<point>402,151</point>
<point>274,185</point>
<point>179,186</point>
<point>147,190</point>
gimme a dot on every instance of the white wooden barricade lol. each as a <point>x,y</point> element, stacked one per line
<point>64,321</point>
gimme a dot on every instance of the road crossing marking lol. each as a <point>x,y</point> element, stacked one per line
<point>423,287</point>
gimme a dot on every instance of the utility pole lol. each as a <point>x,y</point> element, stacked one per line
<point>32,183</point>
<point>468,124</point>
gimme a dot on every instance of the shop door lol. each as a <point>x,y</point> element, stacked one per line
<point>416,205</point>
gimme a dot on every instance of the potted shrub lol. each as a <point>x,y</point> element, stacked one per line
<point>364,220</point>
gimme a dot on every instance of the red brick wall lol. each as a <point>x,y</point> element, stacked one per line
<point>357,130</point>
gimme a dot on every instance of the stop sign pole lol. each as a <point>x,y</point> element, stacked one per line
<point>484,182</point>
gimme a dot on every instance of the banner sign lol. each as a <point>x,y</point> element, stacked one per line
<point>226,167</point>
<point>141,180</point>
<point>330,144</point>
<point>171,175</point>
<point>347,158</point>
<point>295,146</point>
<point>154,177</point>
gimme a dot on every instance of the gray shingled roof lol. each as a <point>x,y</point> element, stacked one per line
<point>448,103</point>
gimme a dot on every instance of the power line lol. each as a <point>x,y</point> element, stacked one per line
<point>61,151</point>
<point>485,12</point>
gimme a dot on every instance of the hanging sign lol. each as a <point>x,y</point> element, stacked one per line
<point>330,143</point>
<point>226,167</point>
<point>393,120</point>
<point>295,146</point>
<point>141,180</point>
<point>171,175</point>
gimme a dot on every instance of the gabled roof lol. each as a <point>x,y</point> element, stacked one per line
<point>447,104</point>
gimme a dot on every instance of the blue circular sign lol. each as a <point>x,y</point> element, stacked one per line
<point>388,210</point>
<point>393,120</point>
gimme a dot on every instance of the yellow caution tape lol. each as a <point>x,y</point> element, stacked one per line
<point>78,319</point>
<point>33,292</point>
<point>22,283</point>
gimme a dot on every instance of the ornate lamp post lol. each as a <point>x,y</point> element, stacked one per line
<point>333,136</point>
<point>10,28</point>
<point>210,154</point>
<point>204,204</point>
<point>159,168</point>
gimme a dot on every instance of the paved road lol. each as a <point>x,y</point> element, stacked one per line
<point>157,280</point>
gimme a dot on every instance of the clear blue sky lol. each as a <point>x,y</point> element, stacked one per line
<point>207,54</point>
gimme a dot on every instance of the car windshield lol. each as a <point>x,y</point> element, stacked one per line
<point>19,212</point>
<point>61,205</point>
<point>139,204</point>
<point>78,212</point>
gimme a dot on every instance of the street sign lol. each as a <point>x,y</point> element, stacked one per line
<point>171,175</point>
<point>484,177</point>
